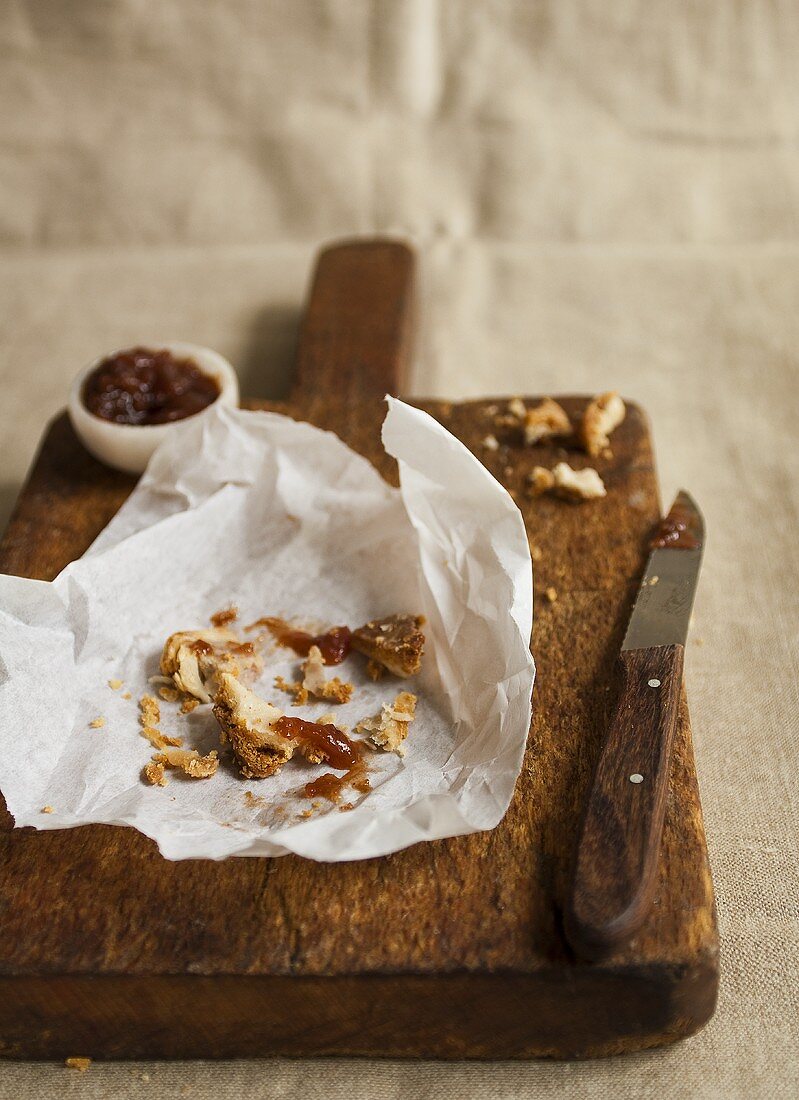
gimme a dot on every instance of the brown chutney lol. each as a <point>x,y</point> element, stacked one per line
<point>145,386</point>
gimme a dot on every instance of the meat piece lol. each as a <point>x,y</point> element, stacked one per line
<point>247,724</point>
<point>396,642</point>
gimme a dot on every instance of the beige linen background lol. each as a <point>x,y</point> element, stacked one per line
<point>603,195</point>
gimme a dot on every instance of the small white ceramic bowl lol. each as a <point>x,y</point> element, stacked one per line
<point>128,447</point>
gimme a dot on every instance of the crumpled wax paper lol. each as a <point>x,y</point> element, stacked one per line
<point>278,518</point>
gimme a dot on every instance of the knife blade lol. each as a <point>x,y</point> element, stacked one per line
<point>617,852</point>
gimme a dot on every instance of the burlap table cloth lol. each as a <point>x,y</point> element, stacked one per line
<point>603,195</point>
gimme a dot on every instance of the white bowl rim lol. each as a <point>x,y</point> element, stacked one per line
<point>208,360</point>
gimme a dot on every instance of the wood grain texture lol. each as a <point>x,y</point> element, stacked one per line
<point>449,949</point>
<point>355,339</point>
<point>617,854</point>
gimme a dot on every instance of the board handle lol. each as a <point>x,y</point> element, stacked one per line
<point>356,336</point>
<point>617,854</point>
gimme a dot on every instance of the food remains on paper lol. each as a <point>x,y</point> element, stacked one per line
<point>214,665</point>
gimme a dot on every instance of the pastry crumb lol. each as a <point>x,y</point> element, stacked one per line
<point>225,616</point>
<point>169,694</point>
<point>305,813</point>
<point>540,480</point>
<point>150,711</point>
<point>295,688</point>
<point>653,580</point>
<point>97,723</point>
<point>314,683</point>
<point>149,719</point>
<point>247,723</point>
<point>566,483</point>
<point>551,594</point>
<point>536,553</point>
<point>345,806</point>
<point>80,1064</point>
<point>47,809</point>
<point>154,773</point>
<point>189,704</point>
<point>115,685</point>
<point>127,695</point>
<point>389,729</point>
<point>491,443</point>
<point>603,416</point>
<point>189,761</point>
<point>395,642</point>
<point>545,421</point>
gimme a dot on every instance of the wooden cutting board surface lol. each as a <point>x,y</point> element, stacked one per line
<point>450,949</point>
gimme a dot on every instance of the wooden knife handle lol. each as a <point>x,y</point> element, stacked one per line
<point>617,855</point>
<point>356,336</point>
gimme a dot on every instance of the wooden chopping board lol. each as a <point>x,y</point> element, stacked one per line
<point>452,949</point>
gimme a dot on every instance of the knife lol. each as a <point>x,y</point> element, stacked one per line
<point>617,853</point>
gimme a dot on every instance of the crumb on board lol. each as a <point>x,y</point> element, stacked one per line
<point>225,616</point>
<point>541,480</point>
<point>551,594</point>
<point>602,416</point>
<point>252,800</point>
<point>97,723</point>
<point>490,443</point>
<point>566,483</point>
<point>115,685</point>
<point>345,806</point>
<point>547,420</point>
<point>536,553</point>
<point>127,695</point>
<point>169,694</point>
<point>189,704</point>
<point>80,1064</point>
<point>47,809</point>
<point>653,580</point>
<point>699,641</point>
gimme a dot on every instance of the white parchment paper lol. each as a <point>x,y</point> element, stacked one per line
<point>279,518</point>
